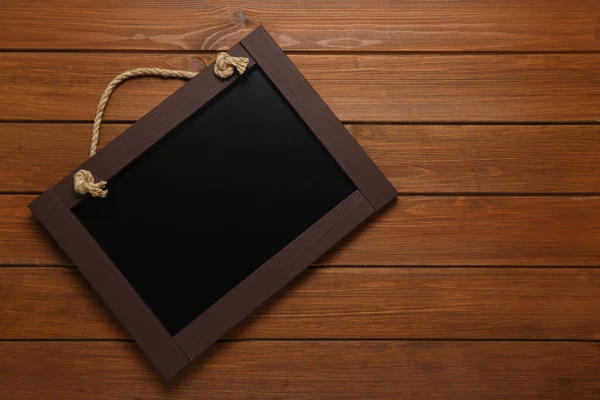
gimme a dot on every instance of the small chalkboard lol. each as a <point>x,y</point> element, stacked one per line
<point>217,198</point>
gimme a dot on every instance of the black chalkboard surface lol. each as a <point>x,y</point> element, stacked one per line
<point>214,200</point>
<point>217,198</point>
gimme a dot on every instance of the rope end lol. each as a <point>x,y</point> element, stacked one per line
<point>83,183</point>
<point>225,65</point>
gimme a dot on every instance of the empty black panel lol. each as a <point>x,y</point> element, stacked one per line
<point>214,200</point>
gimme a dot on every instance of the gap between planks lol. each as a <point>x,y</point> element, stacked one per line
<point>307,52</point>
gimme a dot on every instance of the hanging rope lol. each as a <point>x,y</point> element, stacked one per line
<point>132,73</point>
<point>225,66</point>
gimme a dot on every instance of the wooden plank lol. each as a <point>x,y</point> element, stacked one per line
<point>22,237</point>
<point>477,230</point>
<point>485,159</point>
<point>475,88</point>
<point>329,25</point>
<point>416,158</point>
<point>34,297</point>
<point>308,370</point>
<point>34,156</point>
<point>367,303</point>
<point>415,230</point>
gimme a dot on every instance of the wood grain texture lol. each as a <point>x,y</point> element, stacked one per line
<point>485,159</point>
<point>353,303</point>
<point>388,61</point>
<point>498,231</point>
<point>384,87</point>
<point>22,237</point>
<point>414,230</point>
<point>329,25</point>
<point>415,158</point>
<point>308,370</point>
<point>34,157</point>
<point>36,301</point>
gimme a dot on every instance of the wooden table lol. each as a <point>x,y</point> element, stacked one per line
<point>480,282</point>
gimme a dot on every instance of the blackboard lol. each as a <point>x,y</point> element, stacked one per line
<point>217,198</point>
<point>214,200</point>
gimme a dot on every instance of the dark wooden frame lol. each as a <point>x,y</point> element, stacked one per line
<point>171,353</point>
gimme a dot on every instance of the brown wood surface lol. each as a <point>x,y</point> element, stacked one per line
<point>382,87</point>
<point>308,370</point>
<point>414,230</point>
<point>352,330</point>
<point>353,303</point>
<point>416,158</point>
<point>323,25</point>
<point>22,235</point>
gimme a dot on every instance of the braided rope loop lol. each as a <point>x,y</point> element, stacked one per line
<point>225,66</point>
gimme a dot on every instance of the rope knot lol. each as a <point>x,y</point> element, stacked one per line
<point>83,183</point>
<point>226,65</point>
